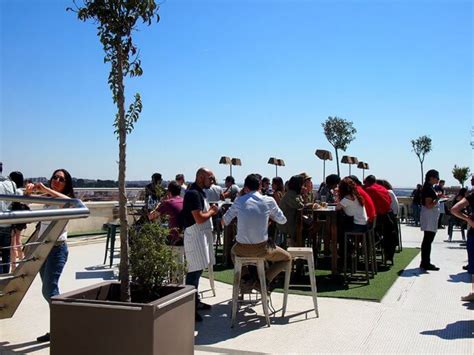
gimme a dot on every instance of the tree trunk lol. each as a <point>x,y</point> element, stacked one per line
<point>337,162</point>
<point>124,253</point>
<point>421,165</point>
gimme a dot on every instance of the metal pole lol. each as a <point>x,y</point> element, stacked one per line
<point>350,169</point>
<point>324,170</point>
<point>230,169</point>
<point>276,170</point>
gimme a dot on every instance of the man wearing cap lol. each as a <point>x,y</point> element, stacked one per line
<point>253,211</point>
<point>307,189</point>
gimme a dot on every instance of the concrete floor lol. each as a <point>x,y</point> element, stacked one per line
<point>421,313</point>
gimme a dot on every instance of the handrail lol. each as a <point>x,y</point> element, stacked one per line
<point>77,209</point>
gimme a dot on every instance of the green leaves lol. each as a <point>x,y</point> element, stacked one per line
<point>339,132</point>
<point>131,117</point>
<point>421,147</point>
<point>461,174</point>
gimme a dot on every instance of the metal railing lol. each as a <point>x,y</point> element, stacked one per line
<point>14,286</point>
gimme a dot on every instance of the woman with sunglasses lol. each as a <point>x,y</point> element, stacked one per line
<point>60,186</point>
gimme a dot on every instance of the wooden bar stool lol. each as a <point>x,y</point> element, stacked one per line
<point>239,262</point>
<point>356,237</point>
<point>302,254</point>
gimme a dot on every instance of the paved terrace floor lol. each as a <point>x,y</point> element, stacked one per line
<point>421,313</point>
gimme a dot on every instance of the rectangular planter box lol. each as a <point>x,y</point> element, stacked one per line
<point>86,321</point>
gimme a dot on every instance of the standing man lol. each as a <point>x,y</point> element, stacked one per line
<point>7,187</point>
<point>253,211</point>
<point>182,183</point>
<point>231,189</point>
<point>153,192</point>
<point>197,221</point>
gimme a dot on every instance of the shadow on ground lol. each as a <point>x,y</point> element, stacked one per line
<point>21,348</point>
<point>460,277</point>
<point>463,329</point>
<point>216,324</point>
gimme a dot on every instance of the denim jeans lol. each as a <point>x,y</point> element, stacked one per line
<point>52,269</point>
<point>5,241</point>
<point>192,279</point>
<point>416,213</point>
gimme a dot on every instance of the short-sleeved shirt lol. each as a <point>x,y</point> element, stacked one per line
<point>427,192</point>
<point>416,194</point>
<point>354,209</point>
<point>380,197</point>
<point>172,207</point>
<point>234,191</point>
<point>193,200</point>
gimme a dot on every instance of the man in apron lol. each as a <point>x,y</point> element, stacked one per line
<point>197,221</point>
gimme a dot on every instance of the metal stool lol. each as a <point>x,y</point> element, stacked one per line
<point>358,237</point>
<point>210,266</point>
<point>304,254</point>
<point>239,262</point>
<point>111,233</point>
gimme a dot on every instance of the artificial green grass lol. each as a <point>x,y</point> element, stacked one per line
<point>329,286</point>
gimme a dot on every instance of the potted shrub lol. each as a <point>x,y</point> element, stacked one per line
<point>158,320</point>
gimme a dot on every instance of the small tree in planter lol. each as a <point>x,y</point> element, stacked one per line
<point>116,21</point>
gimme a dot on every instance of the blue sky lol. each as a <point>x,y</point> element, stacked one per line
<point>246,79</point>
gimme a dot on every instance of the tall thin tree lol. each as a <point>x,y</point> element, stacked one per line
<point>339,133</point>
<point>421,147</point>
<point>116,21</point>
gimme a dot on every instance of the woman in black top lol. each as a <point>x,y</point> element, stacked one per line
<point>429,218</point>
<point>457,211</point>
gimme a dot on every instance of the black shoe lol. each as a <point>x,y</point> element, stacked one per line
<point>197,317</point>
<point>464,267</point>
<point>43,339</point>
<point>203,306</point>
<point>430,267</point>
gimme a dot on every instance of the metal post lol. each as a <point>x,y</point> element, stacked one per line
<point>324,170</point>
<point>230,169</point>
<point>276,170</point>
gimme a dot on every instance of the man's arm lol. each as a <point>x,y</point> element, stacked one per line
<point>229,215</point>
<point>457,209</point>
<point>200,217</point>
<point>276,213</point>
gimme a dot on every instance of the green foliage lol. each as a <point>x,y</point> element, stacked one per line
<point>421,147</point>
<point>461,174</point>
<point>153,263</point>
<point>339,132</point>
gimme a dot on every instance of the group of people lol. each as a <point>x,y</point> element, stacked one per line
<point>59,186</point>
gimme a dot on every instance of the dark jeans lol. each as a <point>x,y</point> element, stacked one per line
<point>52,269</point>
<point>385,227</point>
<point>470,251</point>
<point>416,213</point>
<point>192,279</point>
<point>426,248</point>
<point>5,241</point>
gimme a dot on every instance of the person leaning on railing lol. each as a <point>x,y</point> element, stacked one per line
<point>60,186</point>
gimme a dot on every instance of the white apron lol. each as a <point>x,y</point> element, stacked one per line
<point>429,218</point>
<point>198,240</point>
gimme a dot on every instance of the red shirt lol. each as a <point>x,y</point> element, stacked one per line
<point>171,207</point>
<point>369,204</point>
<point>380,197</point>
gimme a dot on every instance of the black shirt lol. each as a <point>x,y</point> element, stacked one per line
<point>416,194</point>
<point>470,199</point>
<point>428,192</point>
<point>193,200</point>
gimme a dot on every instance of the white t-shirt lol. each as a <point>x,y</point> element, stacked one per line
<point>394,202</point>
<point>213,193</point>
<point>45,224</point>
<point>354,209</point>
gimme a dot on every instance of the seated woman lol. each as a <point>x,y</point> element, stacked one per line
<point>171,206</point>
<point>291,204</point>
<point>352,203</point>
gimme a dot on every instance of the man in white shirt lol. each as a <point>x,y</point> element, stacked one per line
<point>7,187</point>
<point>253,211</point>
<point>214,192</point>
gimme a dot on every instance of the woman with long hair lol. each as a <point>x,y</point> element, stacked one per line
<point>278,188</point>
<point>291,204</point>
<point>60,186</point>
<point>352,203</point>
<point>429,218</point>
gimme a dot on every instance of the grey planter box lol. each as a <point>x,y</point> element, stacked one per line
<point>86,321</point>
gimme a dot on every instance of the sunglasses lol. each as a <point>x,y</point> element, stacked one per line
<point>59,178</point>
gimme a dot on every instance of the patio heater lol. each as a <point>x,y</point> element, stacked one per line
<point>364,167</point>
<point>277,162</point>
<point>323,155</point>
<point>346,159</point>
<point>230,162</point>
